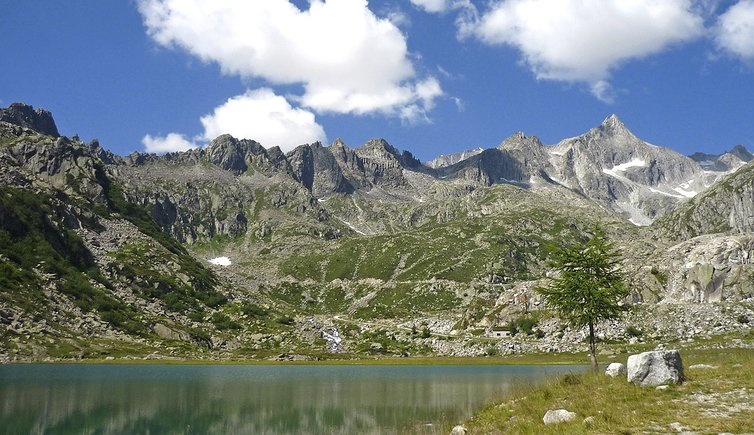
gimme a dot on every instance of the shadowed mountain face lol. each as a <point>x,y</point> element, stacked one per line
<point>359,233</point>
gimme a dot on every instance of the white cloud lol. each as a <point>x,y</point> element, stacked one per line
<point>603,91</point>
<point>583,40</point>
<point>265,117</point>
<point>347,59</point>
<point>259,115</point>
<point>166,144</point>
<point>734,32</point>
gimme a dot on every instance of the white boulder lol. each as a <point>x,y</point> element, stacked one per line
<point>553,416</point>
<point>615,369</point>
<point>458,430</point>
<point>659,367</point>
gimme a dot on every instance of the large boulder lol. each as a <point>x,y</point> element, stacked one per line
<point>553,416</point>
<point>659,367</point>
<point>615,369</point>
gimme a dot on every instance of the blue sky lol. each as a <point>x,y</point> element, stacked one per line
<point>430,76</point>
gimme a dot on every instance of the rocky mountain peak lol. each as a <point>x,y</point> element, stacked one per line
<point>377,146</point>
<point>23,115</point>
<point>338,143</point>
<point>613,126</point>
<point>519,140</point>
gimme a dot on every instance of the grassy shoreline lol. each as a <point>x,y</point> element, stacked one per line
<point>712,400</point>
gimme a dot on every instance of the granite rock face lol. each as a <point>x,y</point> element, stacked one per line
<point>726,207</point>
<point>660,367</point>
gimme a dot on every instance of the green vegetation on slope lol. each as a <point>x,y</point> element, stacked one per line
<point>202,281</point>
<point>508,246</point>
<point>33,236</point>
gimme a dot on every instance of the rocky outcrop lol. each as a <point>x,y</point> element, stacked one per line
<point>709,268</point>
<point>26,116</point>
<point>660,367</point>
<point>246,156</point>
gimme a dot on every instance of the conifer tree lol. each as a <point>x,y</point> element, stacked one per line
<point>589,287</point>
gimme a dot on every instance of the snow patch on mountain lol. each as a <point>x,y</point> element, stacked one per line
<point>623,167</point>
<point>221,261</point>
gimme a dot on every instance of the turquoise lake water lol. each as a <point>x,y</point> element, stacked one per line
<point>246,399</point>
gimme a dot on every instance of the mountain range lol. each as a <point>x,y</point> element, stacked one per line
<point>235,250</point>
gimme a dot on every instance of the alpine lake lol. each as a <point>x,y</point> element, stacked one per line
<point>252,399</point>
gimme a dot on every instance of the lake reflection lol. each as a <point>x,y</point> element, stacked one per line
<point>224,399</point>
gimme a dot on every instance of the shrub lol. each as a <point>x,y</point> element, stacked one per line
<point>661,277</point>
<point>633,331</point>
<point>525,325</point>
<point>222,321</point>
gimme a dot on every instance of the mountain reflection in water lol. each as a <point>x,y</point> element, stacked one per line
<point>60,398</point>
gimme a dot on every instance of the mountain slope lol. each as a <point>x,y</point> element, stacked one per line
<point>366,241</point>
<point>728,206</point>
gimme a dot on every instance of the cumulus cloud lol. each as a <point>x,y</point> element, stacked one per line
<point>265,117</point>
<point>734,32</point>
<point>166,144</point>
<point>259,114</point>
<point>583,40</point>
<point>347,59</point>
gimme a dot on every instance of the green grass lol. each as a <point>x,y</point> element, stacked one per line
<point>620,407</point>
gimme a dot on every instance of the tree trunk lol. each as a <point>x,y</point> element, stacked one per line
<point>592,348</point>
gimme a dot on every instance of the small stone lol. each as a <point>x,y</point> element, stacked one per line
<point>676,426</point>
<point>615,369</point>
<point>661,387</point>
<point>458,430</point>
<point>554,416</point>
<point>702,366</point>
<point>589,420</point>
